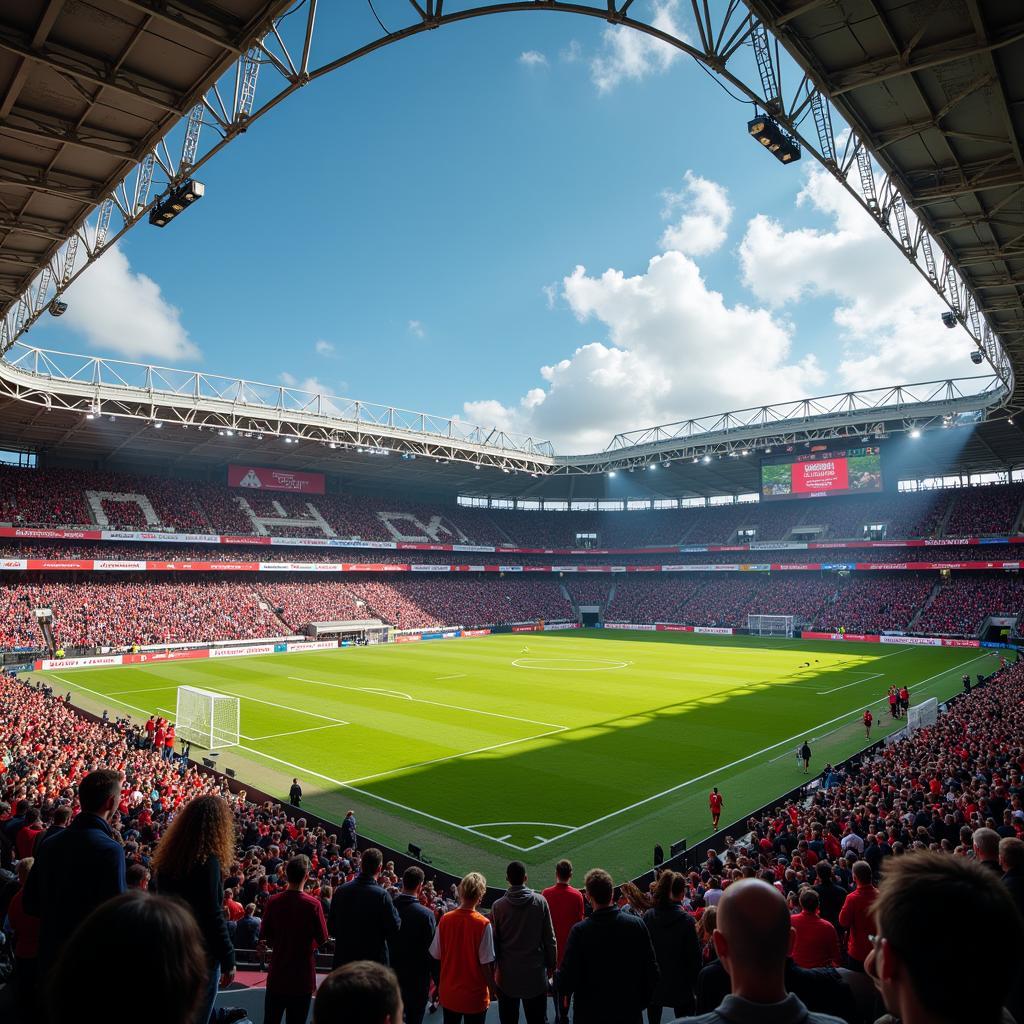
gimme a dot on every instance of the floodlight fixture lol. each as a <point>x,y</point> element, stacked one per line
<point>976,357</point>
<point>179,197</point>
<point>57,307</point>
<point>774,138</point>
<point>915,433</point>
<point>949,319</point>
<point>611,472</point>
<point>707,458</point>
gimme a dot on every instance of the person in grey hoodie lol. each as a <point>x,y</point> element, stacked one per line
<point>524,943</point>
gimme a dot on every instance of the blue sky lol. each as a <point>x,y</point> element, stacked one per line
<point>408,230</point>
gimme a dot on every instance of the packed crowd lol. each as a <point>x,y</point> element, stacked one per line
<point>819,909</point>
<point>60,498</point>
<point>962,604</point>
<point>878,602</point>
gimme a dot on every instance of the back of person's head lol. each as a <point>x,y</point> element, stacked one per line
<point>824,871</point>
<point>472,888</point>
<point>202,829</point>
<point>563,870</point>
<point>670,886</point>
<point>361,992</point>
<point>371,862</point>
<point>62,815</point>
<point>943,923</point>
<point>157,935</point>
<point>862,872</point>
<point>412,878</point>
<point>136,876</point>
<point>809,900</point>
<point>753,932</point>
<point>297,869</point>
<point>97,789</point>
<point>600,887</point>
<point>986,843</point>
<point>516,872</point>
<point>1011,853</point>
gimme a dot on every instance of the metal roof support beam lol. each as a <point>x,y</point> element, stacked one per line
<point>883,69</point>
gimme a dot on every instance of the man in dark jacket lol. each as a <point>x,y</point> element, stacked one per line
<point>676,948</point>
<point>831,896</point>
<point>362,917</point>
<point>348,839</point>
<point>1011,860</point>
<point>609,966</point>
<point>410,948</point>
<point>524,945</point>
<point>78,869</point>
<point>295,793</point>
<point>59,822</point>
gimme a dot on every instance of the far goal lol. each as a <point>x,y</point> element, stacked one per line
<point>206,718</point>
<point>770,625</point>
<point>925,713</point>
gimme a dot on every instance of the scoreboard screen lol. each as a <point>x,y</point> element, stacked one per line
<point>820,473</point>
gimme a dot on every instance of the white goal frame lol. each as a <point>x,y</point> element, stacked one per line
<point>207,718</point>
<point>923,714</point>
<point>770,625</point>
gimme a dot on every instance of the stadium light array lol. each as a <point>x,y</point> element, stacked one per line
<point>915,433</point>
<point>177,200</point>
<point>774,138</point>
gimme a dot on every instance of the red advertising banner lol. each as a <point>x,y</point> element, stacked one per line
<point>815,476</point>
<point>258,479</point>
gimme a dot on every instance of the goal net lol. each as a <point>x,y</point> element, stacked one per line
<point>770,625</point>
<point>206,718</point>
<point>925,713</point>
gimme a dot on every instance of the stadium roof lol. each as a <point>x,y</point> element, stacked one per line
<point>936,90</point>
<point>86,90</point>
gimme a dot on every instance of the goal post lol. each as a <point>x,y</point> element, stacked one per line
<point>206,718</point>
<point>923,714</point>
<point>770,625</point>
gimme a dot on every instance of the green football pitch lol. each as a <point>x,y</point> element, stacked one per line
<point>590,744</point>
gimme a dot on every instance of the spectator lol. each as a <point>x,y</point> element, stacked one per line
<point>410,948</point>
<point>293,927</point>
<point>831,896</point>
<point>78,869</point>
<point>609,964</point>
<point>247,929</point>
<point>190,864</point>
<point>361,992</point>
<point>1011,861</point>
<point>524,943</point>
<point>348,839</point>
<point>986,849</point>
<point>60,821</point>
<point>948,942</point>
<point>30,831</point>
<point>674,937</point>
<point>362,918</point>
<point>166,983</point>
<point>566,904</point>
<point>856,916</point>
<point>295,793</point>
<point>753,938</point>
<point>137,876</point>
<point>816,943</point>
<point>464,945</point>
<point>25,929</point>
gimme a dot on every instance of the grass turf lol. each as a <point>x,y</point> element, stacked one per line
<point>590,744</point>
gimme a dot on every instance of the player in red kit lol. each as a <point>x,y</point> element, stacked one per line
<point>868,720</point>
<point>715,803</point>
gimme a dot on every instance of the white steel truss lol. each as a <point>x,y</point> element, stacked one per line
<point>730,41</point>
<point>94,387</point>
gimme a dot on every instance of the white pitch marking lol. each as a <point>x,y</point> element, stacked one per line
<point>597,664</point>
<point>856,682</point>
<point>503,838</point>
<point>284,707</point>
<point>435,703</point>
<point>386,693</point>
<point>458,675</point>
<point>294,732</point>
<point>151,689</point>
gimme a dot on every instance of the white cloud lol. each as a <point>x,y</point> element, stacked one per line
<point>416,328</point>
<point>550,293</point>
<point>324,348</point>
<point>571,53</point>
<point>118,309</point>
<point>629,54</point>
<point>886,316</point>
<point>533,59</point>
<point>673,349</point>
<point>704,214</point>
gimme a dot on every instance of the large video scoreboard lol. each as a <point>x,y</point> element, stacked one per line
<point>820,473</point>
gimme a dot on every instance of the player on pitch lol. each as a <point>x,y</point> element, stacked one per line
<point>715,803</point>
<point>868,720</point>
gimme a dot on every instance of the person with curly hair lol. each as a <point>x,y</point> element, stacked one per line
<point>190,863</point>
